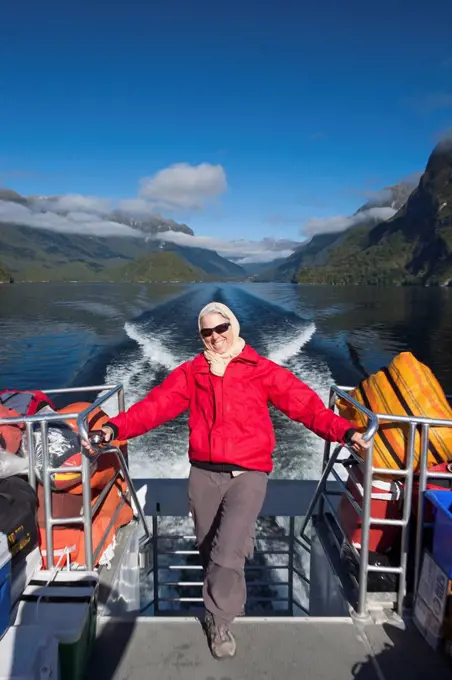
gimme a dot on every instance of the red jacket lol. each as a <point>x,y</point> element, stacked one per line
<point>229,417</point>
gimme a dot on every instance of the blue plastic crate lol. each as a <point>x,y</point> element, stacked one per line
<point>5,584</point>
<point>442,530</point>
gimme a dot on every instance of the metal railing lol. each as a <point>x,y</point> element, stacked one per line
<point>88,510</point>
<point>278,576</point>
<point>370,472</point>
<point>177,590</point>
<point>322,496</point>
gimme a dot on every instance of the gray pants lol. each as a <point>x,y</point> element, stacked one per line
<point>224,510</point>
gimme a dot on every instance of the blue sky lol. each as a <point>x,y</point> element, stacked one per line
<point>298,109</point>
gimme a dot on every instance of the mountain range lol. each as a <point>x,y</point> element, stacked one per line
<point>413,246</point>
<point>34,253</point>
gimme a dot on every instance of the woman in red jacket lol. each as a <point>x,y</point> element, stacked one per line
<point>227,389</point>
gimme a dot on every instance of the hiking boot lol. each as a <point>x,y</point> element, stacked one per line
<point>221,641</point>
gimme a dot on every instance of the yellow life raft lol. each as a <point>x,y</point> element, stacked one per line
<point>405,387</point>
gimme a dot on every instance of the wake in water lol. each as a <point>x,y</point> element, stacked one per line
<point>291,348</point>
<point>162,452</point>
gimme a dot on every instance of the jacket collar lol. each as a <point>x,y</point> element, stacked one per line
<point>248,356</point>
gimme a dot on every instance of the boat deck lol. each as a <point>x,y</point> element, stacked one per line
<point>266,649</point>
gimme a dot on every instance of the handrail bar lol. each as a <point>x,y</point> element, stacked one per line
<point>350,388</point>
<point>416,420</point>
<point>82,419</point>
<point>372,420</point>
<point>39,418</point>
<point>90,388</point>
<point>342,390</point>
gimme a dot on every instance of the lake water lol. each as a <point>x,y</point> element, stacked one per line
<point>56,335</point>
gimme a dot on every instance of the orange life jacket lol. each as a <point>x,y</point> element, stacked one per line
<point>14,403</point>
<point>114,512</point>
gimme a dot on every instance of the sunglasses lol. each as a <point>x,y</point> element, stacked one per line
<point>221,328</point>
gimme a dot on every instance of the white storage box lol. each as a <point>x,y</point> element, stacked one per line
<point>66,607</point>
<point>29,653</point>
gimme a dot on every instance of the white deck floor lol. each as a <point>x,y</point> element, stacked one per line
<point>266,650</point>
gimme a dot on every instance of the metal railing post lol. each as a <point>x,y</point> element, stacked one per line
<point>290,563</point>
<point>87,514</point>
<point>406,518</point>
<point>121,399</point>
<point>31,456</point>
<point>365,530</point>
<point>420,503</point>
<point>155,563</point>
<point>327,448</point>
<point>47,494</point>
<point>326,458</point>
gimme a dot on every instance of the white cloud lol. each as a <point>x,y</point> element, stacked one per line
<point>324,225</point>
<point>263,256</point>
<point>72,223</point>
<point>73,203</point>
<point>240,250</point>
<point>137,207</point>
<point>184,186</point>
<point>180,186</point>
<point>379,198</point>
<point>396,195</point>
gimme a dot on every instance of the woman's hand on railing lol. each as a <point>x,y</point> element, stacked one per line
<point>98,437</point>
<point>359,444</point>
<point>107,433</point>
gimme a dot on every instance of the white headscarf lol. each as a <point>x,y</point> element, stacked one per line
<point>218,361</point>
